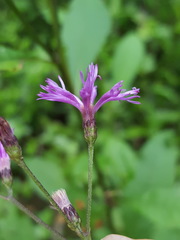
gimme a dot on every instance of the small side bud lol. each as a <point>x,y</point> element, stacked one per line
<point>5,169</point>
<point>90,130</point>
<point>9,141</point>
<point>62,200</point>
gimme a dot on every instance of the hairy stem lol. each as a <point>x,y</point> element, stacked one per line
<point>32,215</point>
<point>23,165</point>
<point>90,173</point>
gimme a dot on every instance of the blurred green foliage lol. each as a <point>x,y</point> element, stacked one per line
<point>136,175</point>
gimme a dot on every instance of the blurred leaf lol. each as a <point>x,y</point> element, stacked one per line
<point>11,223</point>
<point>166,92</point>
<point>7,54</point>
<point>85,30</point>
<point>166,116</point>
<point>118,158</point>
<point>162,207</point>
<point>148,64</point>
<point>136,225</point>
<point>12,66</point>
<point>127,58</point>
<point>166,234</point>
<point>101,232</point>
<point>157,168</point>
<point>49,174</point>
<point>77,169</point>
<point>117,218</point>
<point>10,59</point>
<point>115,7</point>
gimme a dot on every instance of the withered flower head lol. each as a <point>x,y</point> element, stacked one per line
<point>62,200</point>
<point>9,141</point>
<point>6,134</point>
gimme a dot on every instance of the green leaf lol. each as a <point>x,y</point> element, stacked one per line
<point>48,172</point>
<point>116,157</point>
<point>85,29</point>
<point>157,168</point>
<point>11,66</point>
<point>13,225</point>
<point>7,54</point>
<point>166,234</point>
<point>127,58</point>
<point>117,219</point>
<point>10,59</point>
<point>162,207</point>
<point>149,64</point>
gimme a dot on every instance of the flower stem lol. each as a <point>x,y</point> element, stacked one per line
<point>31,215</point>
<point>90,173</point>
<point>23,165</point>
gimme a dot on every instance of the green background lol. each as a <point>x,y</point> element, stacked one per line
<point>136,172</point>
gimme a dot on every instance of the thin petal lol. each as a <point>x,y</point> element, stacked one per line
<point>58,94</point>
<point>4,159</point>
<point>62,83</point>
<point>88,92</point>
<point>117,94</point>
<point>82,77</point>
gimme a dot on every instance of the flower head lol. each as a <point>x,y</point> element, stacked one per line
<point>88,94</point>
<point>5,170</point>
<point>54,92</point>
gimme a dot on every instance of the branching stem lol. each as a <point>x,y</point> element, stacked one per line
<point>32,215</point>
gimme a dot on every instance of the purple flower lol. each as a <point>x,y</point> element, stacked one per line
<point>88,94</point>
<point>5,170</point>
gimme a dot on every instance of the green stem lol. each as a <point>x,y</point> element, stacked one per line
<point>31,215</point>
<point>90,173</point>
<point>23,165</point>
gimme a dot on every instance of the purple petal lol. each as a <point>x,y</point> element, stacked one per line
<point>62,83</point>
<point>4,159</point>
<point>115,94</point>
<point>58,94</point>
<point>88,92</point>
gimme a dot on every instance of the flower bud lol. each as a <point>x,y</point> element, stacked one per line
<point>9,141</point>
<point>72,217</point>
<point>62,200</point>
<point>90,130</point>
<point>5,170</point>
